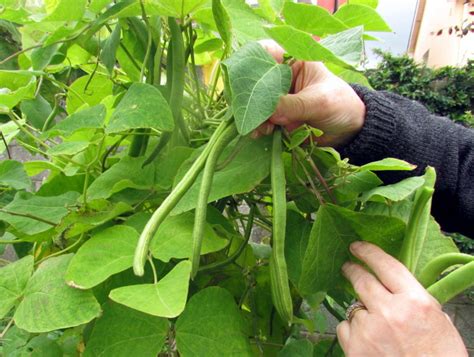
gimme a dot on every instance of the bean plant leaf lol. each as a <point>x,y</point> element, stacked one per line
<point>12,174</point>
<point>65,10</point>
<point>88,118</point>
<point>107,252</point>
<point>362,15</point>
<point>14,87</point>
<point>108,53</point>
<point>297,235</point>
<point>247,26</point>
<point>347,45</point>
<point>68,148</point>
<point>395,192</point>
<point>435,244</point>
<point>123,174</point>
<point>166,298</point>
<point>247,169</point>
<point>123,332</point>
<point>313,19</point>
<point>174,238</point>
<point>303,46</point>
<point>223,23</point>
<point>334,229</point>
<point>349,75</point>
<point>49,304</point>
<point>220,331</point>
<point>13,280</point>
<point>36,110</point>
<point>143,106</point>
<point>257,82</point>
<point>388,164</point>
<point>31,214</point>
<point>87,90</point>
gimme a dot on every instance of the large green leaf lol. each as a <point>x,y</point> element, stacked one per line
<point>333,231</point>
<point>88,118</point>
<point>257,82</point>
<point>87,90</point>
<point>313,19</point>
<point>13,280</point>
<point>124,332</point>
<point>247,169</point>
<point>49,304</point>
<point>36,110</point>
<point>297,235</point>
<point>302,45</point>
<point>14,87</point>
<point>130,173</point>
<point>220,331</point>
<point>68,148</point>
<point>174,238</point>
<point>165,298</point>
<point>12,174</point>
<point>28,207</point>
<point>246,24</point>
<point>395,192</point>
<point>65,10</point>
<point>143,106</point>
<point>347,45</point>
<point>77,222</point>
<point>108,252</point>
<point>362,15</point>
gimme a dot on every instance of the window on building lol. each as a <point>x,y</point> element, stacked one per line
<point>426,57</point>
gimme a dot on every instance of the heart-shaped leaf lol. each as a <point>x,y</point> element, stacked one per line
<point>257,82</point>
<point>108,252</point>
<point>165,298</point>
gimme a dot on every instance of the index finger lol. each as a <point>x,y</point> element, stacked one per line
<point>391,273</point>
<point>274,49</point>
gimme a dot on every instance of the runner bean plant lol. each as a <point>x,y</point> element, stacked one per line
<point>160,226</point>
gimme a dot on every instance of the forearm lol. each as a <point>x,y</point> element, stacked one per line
<point>401,128</point>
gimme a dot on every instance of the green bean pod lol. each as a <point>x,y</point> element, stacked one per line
<point>201,208</point>
<point>453,284</point>
<point>280,287</point>
<point>438,265</point>
<point>171,201</point>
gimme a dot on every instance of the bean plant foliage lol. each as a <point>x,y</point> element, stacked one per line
<point>162,227</point>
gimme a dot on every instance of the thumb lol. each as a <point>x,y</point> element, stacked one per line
<point>293,108</point>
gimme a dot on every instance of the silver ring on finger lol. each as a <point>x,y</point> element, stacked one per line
<point>353,308</point>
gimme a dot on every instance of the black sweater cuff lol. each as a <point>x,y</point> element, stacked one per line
<point>375,140</point>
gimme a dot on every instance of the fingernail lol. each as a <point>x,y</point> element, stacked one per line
<point>268,129</point>
<point>346,266</point>
<point>354,247</point>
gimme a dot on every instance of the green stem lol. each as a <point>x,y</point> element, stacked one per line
<point>177,84</point>
<point>201,208</point>
<point>439,264</point>
<point>170,202</point>
<point>453,284</point>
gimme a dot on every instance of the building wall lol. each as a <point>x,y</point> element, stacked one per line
<point>443,49</point>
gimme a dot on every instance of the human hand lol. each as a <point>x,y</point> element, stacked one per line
<point>320,99</point>
<point>402,318</point>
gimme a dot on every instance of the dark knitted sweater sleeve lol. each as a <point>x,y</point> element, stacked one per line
<point>404,129</point>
